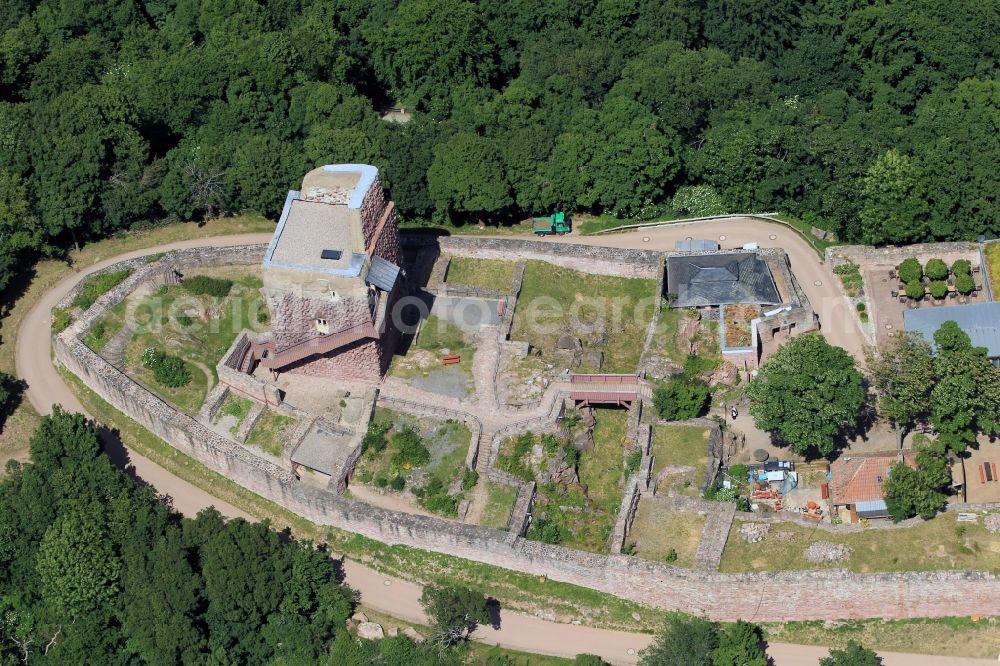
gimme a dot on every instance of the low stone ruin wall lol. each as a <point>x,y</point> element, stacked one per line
<point>827,594</point>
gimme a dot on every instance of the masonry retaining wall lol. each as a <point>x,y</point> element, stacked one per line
<point>893,255</point>
<point>586,258</point>
<point>828,594</point>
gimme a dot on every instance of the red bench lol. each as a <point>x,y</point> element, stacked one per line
<point>450,359</point>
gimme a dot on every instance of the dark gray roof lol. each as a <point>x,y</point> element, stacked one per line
<point>720,279</point>
<point>383,274</point>
<point>980,320</point>
<point>696,245</point>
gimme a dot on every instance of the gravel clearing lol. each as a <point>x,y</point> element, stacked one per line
<point>824,551</point>
<point>754,532</point>
<point>992,523</point>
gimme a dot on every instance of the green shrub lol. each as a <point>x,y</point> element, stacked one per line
<point>962,267</point>
<point>98,330</point>
<point>671,556</point>
<point>98,285</point>
<point>172,372</point>
<point>410,449</point>
<point>365,476</point>
<point>680,398</point>
<point>861,307</point>
<point>469,479</point>
<point>863,316</point>
<point>544,530</point>
<point>61,319</point>
<point>397,483</point>
<point>695,366</point>
<point>183,319</point>
<point>939,288</point>
<point>435,498</point>
<point>152,357</point>
<point>910,270</point>
<point>203,285</point>
<point>514,462</point>
<point>915,289</point>
<point>936,269</point>
<point>633,461</point>
<point>374,440</point>
<point>263,316</point>
<point>964,284</point>
<point>168,371</point>
<point>381,481</point>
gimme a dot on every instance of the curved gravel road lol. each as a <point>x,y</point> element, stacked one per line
<point>399,598</point>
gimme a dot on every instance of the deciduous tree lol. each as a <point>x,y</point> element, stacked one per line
<point>807,393</point>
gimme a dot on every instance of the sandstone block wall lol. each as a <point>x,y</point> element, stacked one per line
<point>590,259</point>
<point>891,256</point>
<point>826,594</point>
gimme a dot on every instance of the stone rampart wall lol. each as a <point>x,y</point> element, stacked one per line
<point>842,595</point>
<point>586,258</point>
<point>892,255</point>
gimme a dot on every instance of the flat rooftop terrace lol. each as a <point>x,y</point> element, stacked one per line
<point>311,227</point>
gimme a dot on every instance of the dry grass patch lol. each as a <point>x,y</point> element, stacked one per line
<point>270,433</point>
<point>680,447</point>
<point>938,544</point>
<point>656,532</point>
<point>483,273</point>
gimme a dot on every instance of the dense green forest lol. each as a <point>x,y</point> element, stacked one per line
<point>875,119</point>
<point>94,569</point>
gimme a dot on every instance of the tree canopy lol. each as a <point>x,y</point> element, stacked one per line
<point>875,121</point>
<point>807,393</point>
<point>95,568</point>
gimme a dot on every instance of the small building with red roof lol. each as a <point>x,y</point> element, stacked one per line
<point>856,482</point>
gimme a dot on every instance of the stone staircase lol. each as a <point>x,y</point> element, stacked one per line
<point>114,350</point>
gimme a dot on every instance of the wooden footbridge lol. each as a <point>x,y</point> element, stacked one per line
<point>618,390</point>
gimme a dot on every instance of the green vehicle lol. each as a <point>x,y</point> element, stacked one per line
<point>556,223</point>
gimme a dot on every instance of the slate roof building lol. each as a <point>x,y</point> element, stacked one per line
<point>856,482</point>
<point>980,320</point>
<point>727,278</point>
<point>331,275</point>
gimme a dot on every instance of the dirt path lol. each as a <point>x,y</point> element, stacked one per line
<point>393,596</point>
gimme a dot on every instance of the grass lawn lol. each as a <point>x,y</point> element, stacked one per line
<point>586,512</point>
<point>270,432</point>
<point>484,273</point>
<point>499,503</point>
<point>656,531</point>
<point>198,329</point>
<point>991,251</point>
<point>608,313</point>
<point>437,337</point>
<point>681,446</point>
<point>235,406</point>
<point>929,546</point>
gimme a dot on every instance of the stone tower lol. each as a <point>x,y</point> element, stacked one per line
<point>331,277</point>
